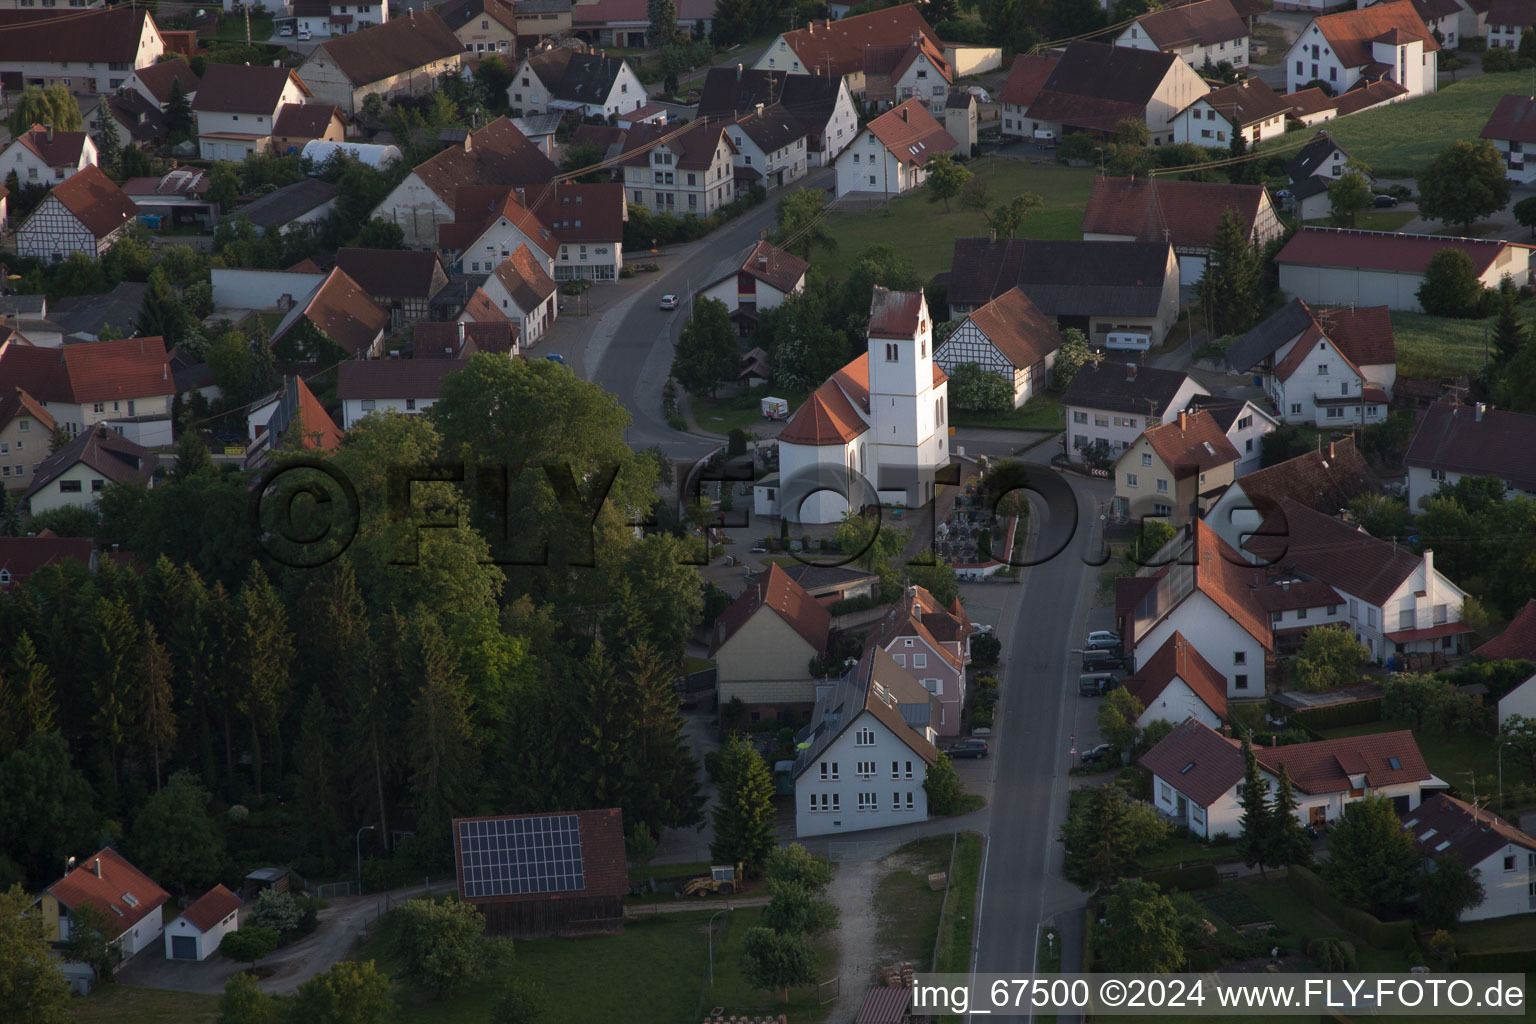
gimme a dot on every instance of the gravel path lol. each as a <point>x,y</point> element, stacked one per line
<point>853,891</point>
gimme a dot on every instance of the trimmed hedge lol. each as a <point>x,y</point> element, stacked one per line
<point>1191,879</point>
<point>1337,716</point>
<point>1381,934</point>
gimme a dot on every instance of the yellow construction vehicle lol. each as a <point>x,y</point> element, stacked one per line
<point>722,878</point>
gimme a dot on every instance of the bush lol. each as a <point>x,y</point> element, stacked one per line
<point>1332,956</point>
<point>676,422</point>
<point>1503,59</point>
<point>1201,876</point>
<point>1381,934</point>
<point>627,271</point>
<point>986,649</point>
<point>849,605</point>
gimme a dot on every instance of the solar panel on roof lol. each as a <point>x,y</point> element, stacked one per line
<point>520,856</point>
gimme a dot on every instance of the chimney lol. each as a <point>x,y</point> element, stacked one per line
<point>738,71</point>
<point>1272,742</point>
<point>992,234</point>
<point>461,334</point>
<point>49,128</point>
<point>1477,416</point>
<point>810,29</point>
<point>762,261</point>
<point>1330,450</point>
<point>1226,730</point>
<point>1429,565</point>
<point>95,864</point>
<point>1183,420</point>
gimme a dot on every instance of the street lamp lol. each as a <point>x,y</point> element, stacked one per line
<point>365,828</point>
<point>711,940</point>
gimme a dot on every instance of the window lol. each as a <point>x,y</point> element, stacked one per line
<point>892,353</point>
<point>1146,458</point>
<point>1295,408</point>
<point>1162,486</point>
<point>99,407</point>
<point>910,805</point>
<point>1438,475</point>
<point>24,426</point>
<point>1276,617</point>
<point>1370,617</point>
<point>829,771</point>
<point>867,802</point>
<point>1239,657</point>
<point>410,405</point>
<point>864,738</point>
<point>1322,369</point>
<point>919,661</point>
<point>1405,619</point>
<point>368,405</point>
<point>1333,609</point>
<point>1159,509</point>
<point>1165,792</point>
<point>866,769</point>
<point>1509,862</point>
<point>69,486</point>
<point>1440,615</point>
<point>901,659</point>
<point>1079,416</point>
<point>97,485</point>
<point>938,412</point>
<point>1130,480</point>
<point>935,687</point>
<point>1248,446</point>
<point>1240,682</point>
<point>1100,421</point>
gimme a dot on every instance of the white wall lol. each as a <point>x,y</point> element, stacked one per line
<point>235,288</point>
<point>1229,648</point>
<point>1224,814</point>
<point>1519,701</point>
<point>1249,440</point>
<point>207,942</point>
<point>1122,436</point>
<point>1177,703</point>
<point>354,409</point>
<point>1505,892</point>
<point>148,433</point>
<point>146,933</point>
<point>973,60</point>
<point>823,506</point>
<point>846,754</point>
<point>874,161</point>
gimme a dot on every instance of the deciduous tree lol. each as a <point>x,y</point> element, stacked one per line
<point>708,350</point>
<point>933,574</point>
<point>1464,182</point>
<point>800,228</point>
<point>1105,834</point>
<point>175,838</point>
<point>1372,861</point>
<point>945,791</point>
<point>249,944</point>
<point>1118,717</point>
<point>92,930</point>
<point>946,178</point>
<point>442,944</point>
<point>1450,287</point>
<point>1330,657</point>
<point>1139,933</point>
<point>1071,357</point>
<point>1348,197</point>
<point>1449,889</point>
<point>1009,216</point>
<point>34,991</point>
<point>777,961</point>
<point>52,105</point>
<point>243,1001</point>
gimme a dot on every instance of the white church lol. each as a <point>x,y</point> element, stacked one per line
<point>875,433</point>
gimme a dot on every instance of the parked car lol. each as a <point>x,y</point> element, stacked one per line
<point>1101,661</point>
<point>1101,640</point>
<point>1385,202</point>
<point>669,302</point>
<point>1096,755</point>
<point>1096,684</point>
<point>286,30</point>
<point>304,34</point>
<point>981,628</point>
<point>556,357</point>
<point>968,748</point>
<point>1284,194</point>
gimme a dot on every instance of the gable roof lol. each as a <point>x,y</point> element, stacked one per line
<point>96,371</point>
<point>20,557</point>
<point>604,871</point>
<point>288,203</point>
<point>16,403</point>
<point>344,312</point>
<point>1471,834</point>
<point>406,273</point>
<point>460,340</point>
<point>837,48</point>
<point>524,279</point>
<point>694,145</point>
<point>1363,95</point>
<point>244,89</point>
<point>1119,388</point>
<point>1185,213</point>
<point>1351,33</point>
<point>816,577</point>
<point>1309,159</point>
<point>1062,278</point>
<point>917,613</point>
<point>772,128</point>
<point>296,403</point>
<point>458,13</point>
<point>212,907</point>
<point>102,449</point>
<point>477,209</point>
<point>1244,103</point>
<point>1191,447</point>
<point>786,599</point>
<point>882,688</point>
<point>1096,85</point>
<point>1498,444</point>
<point>1324,480</point>
<point>1179,658</point>
<point>1203,23</point>
<point>304,120</point>
<point>158,78</point>
<point>1362,334</point>
<point>1223,576</point>
<point>479,309</point>
<point>94,200</point>
<point>1306,102</point>
<point>392,378</point>
<point>397,46</point>
<point>1517,642</point>
<point>1383,250</point>
<point>1198,761</point>
<point>1227,410</point>
<point>64,149</point>
<point>729,91</point>
<point>124,892</point>
<point>1514,119</point>
<point>911,134</point>
<point>576,77</point>
<point>101,35</point>
<point>582,213</point>
<point>142,120</point>
<point>1016,328</point>
<point>1325,766</point>
<point>1511,13</point>
<point>496,155</point>
<point>771,265</point>
<point>1026,77</point>
<point>1338,553</point>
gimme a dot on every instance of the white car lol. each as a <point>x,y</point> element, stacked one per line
<point>286,30</point>
<point>669,302</point>
<point>981,628</point>
<point>304,35</point>
<point>1101,640</point>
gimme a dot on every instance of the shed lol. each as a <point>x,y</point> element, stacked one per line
<point>265,878</point>
<point>885,1006</point>
<point>197,932</point>
<point>377,157</point>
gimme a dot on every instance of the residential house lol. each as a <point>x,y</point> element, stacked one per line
<point>20,557</point>
<point>125,383</point>
<point>324,18</point>
<point>1507,23</point>
<point>588,223</point>
<point>1245,425</point>
<point>843,48</point>
<point>622,23</point>
<point>155,82</point>
<point>540,129</point>
<point>404,282</point>
<point>25,429</point>
<point>1100,288</point>
<point>42,156</point>
<point>1315,167</point>
<point>1516,643</point>
<point>237,107</point>
<point>763,644</point>
<point>962,121</point>
<point>1026,77</point>
<point>1472,18</point>
<point>1177,684</point>
<point>479,309</point>
<point>760,279</point>
<point>1173,469</point>
<point>1512,127</point>
<point>1398,604</point>
<point>824,106</point>
<point>90,317</point>
<point>1095,86</point>
<point>108,883</point>
<point>1443,18</point>
<point>590,84</point>
<point>1313,106</point>
<point>828,584</point>
<point>75,475</point>
<point>680,171</point>
<point>402,57</point>
<point>87,214</point>
<point>1499,855</point>
<point>609,139</point>
<point>1324,367</point>
<point>523,290</point>
<point>1350,267</point>
<point>1196,772</point>
<point>933,643</point>
<point>771,149</point>
<point>341,312</point>
<point>179,197</point>
<point>28,315</point>
<point>88,52</point>
<point>497,154</point>
<point>1207,591</point>
<point>1454,441</point>
<point>299,124</point>
<point>651,113</point>
<point>1386,42</point>
<point>875,432</point>
<point>1203,34</point>
<point>402,386</point>
<point>1008,336</point>
<point>1248,108</point>
<point>483,26</point>
<point>461,339</point>
<point>541,20</point>
<point>877,716</point>
<point>890,155</point>
<point>1109,405</point>
<point>1325,480</point>
<point>196,932</point>
<point>489,223</point>
<point>139,120</point>
<point>1519,701</point>
<point>290,415</point>
<point>1185,214</point>
<point>308,202</point>
<point>914,70</point>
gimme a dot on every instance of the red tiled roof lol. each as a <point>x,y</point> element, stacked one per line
<point>1309,101</point>
<point>775,267</point>
<point>63,150</point>
<point>477,209</point>
<point>22,556</point>
<point>103,35</point>
<point>212,907</point>
<point>1517,642</point>
<point>785,598</point>
<point>581,213</point>
<point>1362,333</point>
<point>1443,824</point>
<point>1452,437</point>
<point>393,378</point>
<point>1408,636</point>
<point>1017,328</point>
<point>319,430</point>
<point>1025,78</point>
<point>605,872</point>
<point>1224,576</point>
<point>304,120</point>
<point>1383,250</point>
<point>1324,766</point>
<point>1197,760</point>
<point>524,279</point>
<point>1243,103</point>
<point>918,614</point>
<point>837,48</point>
<point>438,340</point>
<point>496,155</point>
<point>1350,32</point>
<point>16,402</point>
<point>1514,120</point>
<point>894,314</point>
<point>345,313</point>
<point>105,451</point>
<point>94,200</point>
<point>1299,352</point>
<point>96,371</point>
<point>827,417</point>
<point>1324,480</point>
<point>398,46</point>
<point>1179,658</point>
<point>119,880</point>
<point>1364,95</point>
<point>911,133</point>
<point>1350,560</point>
<point>157,78</point>
<point>694,145</point>
<point>1204,23</point>
<point>481,310</point>
<point>1196,445</point>
<point>1185,213</point>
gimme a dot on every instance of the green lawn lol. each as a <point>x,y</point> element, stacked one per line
<point>913,219</point>
<point>1497,935</point>
<point>909,910</point>
<point>1301,922</point>
<point>953,954</point>
<point>1186,851</point>
<point>126,1004</point>
<point>232,28</point>
<point>1043,412</point>
<point>742,411</point>
<point>692,664</point>
<point>1450,759</point>
<point>1373,220</point>
<point>1432,346</point>
<point>1399,140</point>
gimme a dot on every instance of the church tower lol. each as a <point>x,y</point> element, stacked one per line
<point>907,400</point>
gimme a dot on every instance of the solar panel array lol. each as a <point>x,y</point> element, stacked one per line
<point>520,856</point>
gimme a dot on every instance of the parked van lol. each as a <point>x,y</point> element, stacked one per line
<point>1045,140</point>
<point>1096,684</point>
<point>1100,661</point>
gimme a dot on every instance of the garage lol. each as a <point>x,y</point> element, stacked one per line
<point>196,933</point>
<point>183,947</point>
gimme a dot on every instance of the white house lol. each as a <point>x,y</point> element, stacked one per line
<point>196,932</point>
<point>871,743</point>
<point>771,148</point>
<point>402,57</point>
<point>1095,86</point>
<point>1196,772</point>
<point>1177,684</point>
<point>1207,32</point>
<point>237,107</point>
<point>407,386</point>
<point>934,644</point>
<point>890,156</point>
<point>1248,108</point>
<point>823,106</point>
<point>849,46</point>
<point>1350,267</point>
<point>1325,479</point>
<point>1109,404</point>
<point>86,213</point>
<point>1314,168</point>
<point>87,52</point>
<point>107,882</point>
<point>1387,42</point>
<point>42,156</point>
<point>763,278</point>
<point>1512,128</point>
<point>525,292</point>
<point>1454,441</point>
<point>326,18</point>
<point>127,381</point>
<point>1501,856</point>
<point>1508,21</point>
<point>1026,77</point>
<point>1245,425</point>
<point>588,222</point>
<point>1516,643</point>
<point>156,82</point>
<point>1522,699</point>
<point>488,226</point>
<point>590,84</point>
<point>875,432</point>
<point>921,72</point>
<point>75,475</point>
<point>1009,336</point>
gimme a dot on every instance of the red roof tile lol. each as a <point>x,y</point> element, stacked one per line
<point>911,133</point>
<point>1363,95</point>
<point>1324,480</point>
<point>827,417</point>
<point>1244,103</point>
<point>894,314</point>
<point>94,200</point>
<point>1517,642</point>
<point>319,430</point>
<point>396,273</point>
<point>1383,250</point>
<point>694,145</point>
<point>1223,575</point>
<point>305,120</point>
<point>918,614</point>
<point>393,378</point>
<point>122,890</point>
<point>1338,553</point>
<point>1350,32</point>
<point>400,45</point>
<point>525,279</point>
<point>1017,328</point>
<point>1362,333</point>
<point>785,598</point>
<point>1185,213</point>
<point>1325,766</point>
<point>1025,78</point>
<point>1512,13</point>
<point>1192,446</point>
<point>1199,761</point>
<point>243,89</point>
<point>96,371</point>
<point>837,48</point>
<point>477,209</point>
<point>581,213</point>
<point>345,313</point>
<point>63,150</point>
<point>158,78</point>
<point>1204,23</point>
<point>20,557</point>
<point>496,155</point>
<point>1408,636</point>
<point>102,35</point>
<point>105,451</point>
<point>1455,438</point>
<point>481,310</point>
<point>1178,658</point>
<point>775,267</point>
<point>212,907</point>
<point>1289,596</point>
<point>16,403</point>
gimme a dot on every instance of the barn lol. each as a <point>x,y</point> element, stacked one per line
<point>538,875</point>
<point>197,932</point>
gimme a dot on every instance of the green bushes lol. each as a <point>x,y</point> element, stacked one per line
<point>849,605</point>
<point>1381,934</point>
<point>645,229</point>
<point>983,701</point>
<point>1332,955</point>
<point>1192,879</point>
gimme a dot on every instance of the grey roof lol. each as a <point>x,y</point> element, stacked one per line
<point>543,6</point>
<point>23,305</point>
<point>1113,387</point>
<point>1258,344</point>
<point>278,208</point>
<point>1223,410</point>
<point>959,99</point>
<point>1309,157</point>
<point>533,125</point>
<point>851,695</point>
<point>811,98</point>
<point>814,577</point>
<point>1062,278</point>
<point>576,77</point>
<point>89,314</point>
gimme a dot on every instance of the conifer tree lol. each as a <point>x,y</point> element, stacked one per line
<point>442,750</point>
<point>744,812</point>
<point>1255,842</point>
<point>36,704</point>
<point>314,758</point>
<point>109,143</point>
<point>1290,842</point>
<point>1230,287</point>
<point>157,711</point>
<point>265,656</point>
<point>117,644</point>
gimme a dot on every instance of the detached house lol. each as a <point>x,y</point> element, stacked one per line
<point>1455,441</point>
<point>1245,425</point>
<point>25,429</point>
<point>763,278</point>
<point>822,105</point>
<point>1026,77</point>
<point>75,475</point>
<point>20,557</point>
<point>1349,267</point>
<point>1315,167</point>
<point>483,26</point>
<point>326,18</point>
<point>87,213</point>
<point>107,882</point>
<point>402,57</point>
<point>1196,772</point>
<point>291,414</point>
<point>155,82</point>
<point>1095,86</point>
<point>525,293</point>
<point>1385,43</point>
<point>1177,684</point>
<point>1249,109</point>
<point>866,753</point>
<point>1108,405</point>
<point>847,47</point>
<point>403,386</point>
<point>1174,469</point>
<point>340,311</point>
<point>42,156</point>
<point>126,383</point>
<point>1008,336</point>
<point>238,106</point>
<point>680,171</point>
<point>1512,128</point>
<point>890,156</point>
<point>771,148</point>
<point>763,645</point>
<point>588,84</point>
<point>1508,22</point>
<point>1501,856</point>
<point>1325,480</point>
<point>404,283</point>
<point>916,70</point>
<point>88,52</point>
<point>197,931</point>
<point>933,643</point>
<point>613,22</point>
<point>139,120</point>
<point>1208,32</point>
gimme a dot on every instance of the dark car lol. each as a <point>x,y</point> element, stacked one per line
<point>1384,202</point>
<point>968,748</point>
<point>1096,755</point>
<point>556,357</point>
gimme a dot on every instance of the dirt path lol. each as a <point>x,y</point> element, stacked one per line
<point>853,891</point>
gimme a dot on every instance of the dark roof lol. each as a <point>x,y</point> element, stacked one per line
<point>1364,94</point>
<point>818,577</point>
<point>1383,250</point>
<point>1113,387</point>
<point>1096,85</point>
<point>1362,334</point>
<point>1289,321</point>
<point>97,371</point>
<point>785,598</point>
<point>399,45</point>
<point>497,154</point>
<point>94,200</point>
<point>1198,761</point>
<point>1243,103</point>
<point>20,557</point>
<point>157,78</point>
<point>771,129</point>
<point>402,273</point>
<point>1309,159</point>
<point>879,686</point>
<point>243,89</point>
<point>771,265</point>
<point>1017,328</point>
<point>139,114</point>
<point>1325,480</point>
<point>1062,278</point>
<point>1512,12</point>
<point>90,314</point>
<point>1452,437</point>
<point>104,450</point>
<point>54,148</point>
<point>576,77</point>
<point>1471,834</point>
<point>1179,658</point>
<point>1186,214</point>
<point>1026,77</point>
<point>694,145</point>
<point>212,907</point>
<point>1204,23</point>
<point>810,98</point>
<point>304,120</point>
<point>1514,119</point>
<point>285,204</point>
<point>1194,443</point>
<point>1517,642</point>
<point>1340,554</point>
<point>449,340</point>
<point>101,35</point>
<point>392,378</point>
<point>582,213</point>
<point>1225,410</point>
<point>477,208</point>
<point>16,402</point>
<point>604,871</point>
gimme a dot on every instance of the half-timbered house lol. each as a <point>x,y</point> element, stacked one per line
<point>86,213</point>
<point>1008,336</point>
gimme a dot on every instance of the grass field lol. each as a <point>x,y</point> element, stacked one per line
<point>926,234</point>
<point>1043,412</point>
<point>232,28</point>
<point>1432,346</point>
<point>1373,220</point>
<point>953,953</point>
<point>126,1004</point>
<point>1400,139</point>
<point>744,411</point>
<point>909,910</point>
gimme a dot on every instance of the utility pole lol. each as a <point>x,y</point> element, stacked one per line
<point>247,7</point>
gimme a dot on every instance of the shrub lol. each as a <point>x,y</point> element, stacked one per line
<point>986,649</point>
<point>1503,59</point>
<point>1201,876</point>
<point>676,422</point>
<point>849,605</point>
